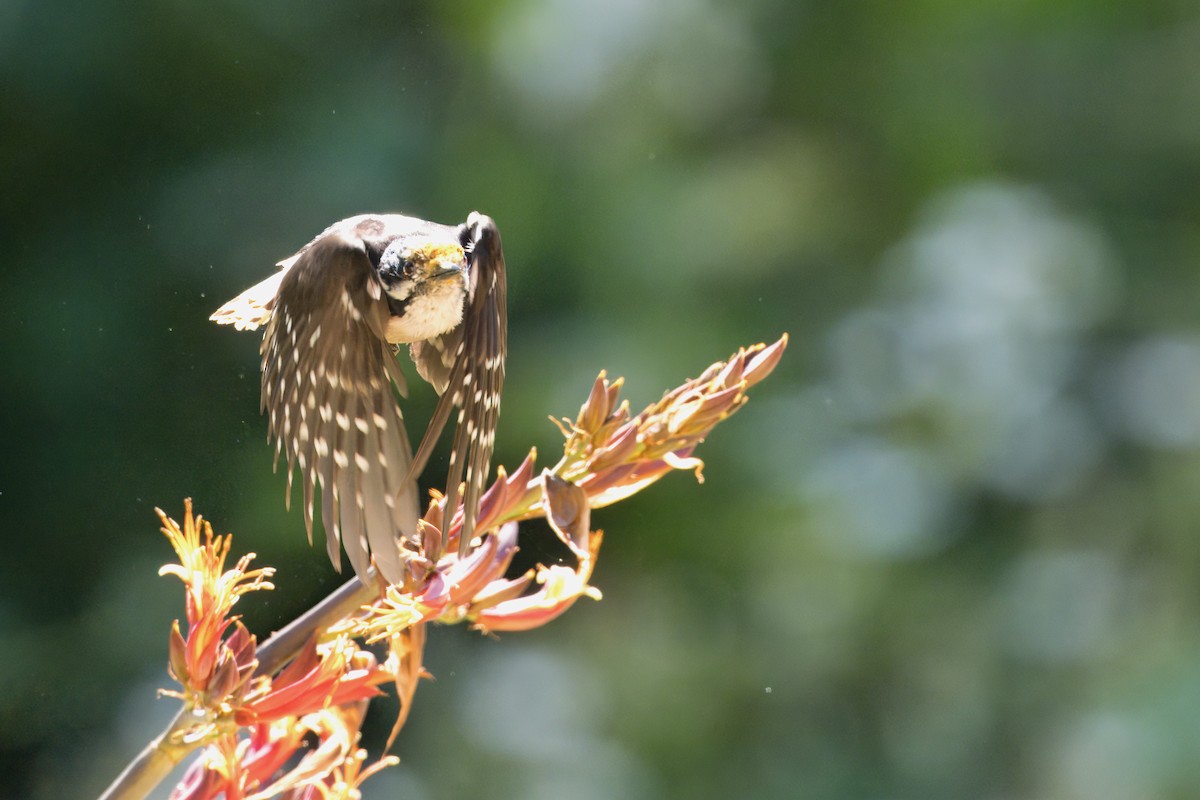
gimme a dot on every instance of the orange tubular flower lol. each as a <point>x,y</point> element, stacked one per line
<point>317,693</point>
<point>211,666</point>
<point>253,767</point>
<point>611,455</point>
<point>569,516</point>
<point>332,674</point>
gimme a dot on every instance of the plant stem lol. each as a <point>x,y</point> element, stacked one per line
<point>154,763</point>
<point>287,641</point>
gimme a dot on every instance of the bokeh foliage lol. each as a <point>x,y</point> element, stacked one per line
<point>950,549</point>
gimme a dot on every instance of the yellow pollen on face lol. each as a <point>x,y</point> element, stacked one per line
<point>437,255</point>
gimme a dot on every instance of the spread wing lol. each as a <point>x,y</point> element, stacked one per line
<point>327,375</point>
<point>467,366</point>
<point>251,309</point>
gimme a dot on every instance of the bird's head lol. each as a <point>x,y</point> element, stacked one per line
<point>416,265</point>
<point>426,284</point>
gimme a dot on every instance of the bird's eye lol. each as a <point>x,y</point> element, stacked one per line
<point>396,263</point>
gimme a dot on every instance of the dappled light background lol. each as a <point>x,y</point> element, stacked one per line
<point>950,549</point>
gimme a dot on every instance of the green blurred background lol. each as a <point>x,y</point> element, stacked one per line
<point>949,549</point>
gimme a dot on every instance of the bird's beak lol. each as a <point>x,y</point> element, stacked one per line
<point>448,270</point>
<point>445,261</point>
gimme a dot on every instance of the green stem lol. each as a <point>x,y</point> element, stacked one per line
<point>154,763</point>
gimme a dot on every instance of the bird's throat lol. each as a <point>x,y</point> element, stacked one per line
<point>424,315</point>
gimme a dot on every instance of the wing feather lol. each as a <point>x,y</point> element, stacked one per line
<point>475,382</point>
<point>327,390</point>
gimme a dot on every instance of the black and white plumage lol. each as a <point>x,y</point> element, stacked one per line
<point>335,315</point>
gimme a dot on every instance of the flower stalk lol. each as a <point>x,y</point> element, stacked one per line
<point>252,709</point>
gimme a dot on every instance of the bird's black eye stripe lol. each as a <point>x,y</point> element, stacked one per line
<point>392,260</point>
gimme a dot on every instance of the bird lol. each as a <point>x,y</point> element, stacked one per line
<point>334,317</point>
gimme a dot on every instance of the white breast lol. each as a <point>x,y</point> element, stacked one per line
<point>428,314</point>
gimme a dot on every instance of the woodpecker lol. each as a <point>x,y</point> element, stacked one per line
<point>335,315</point>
